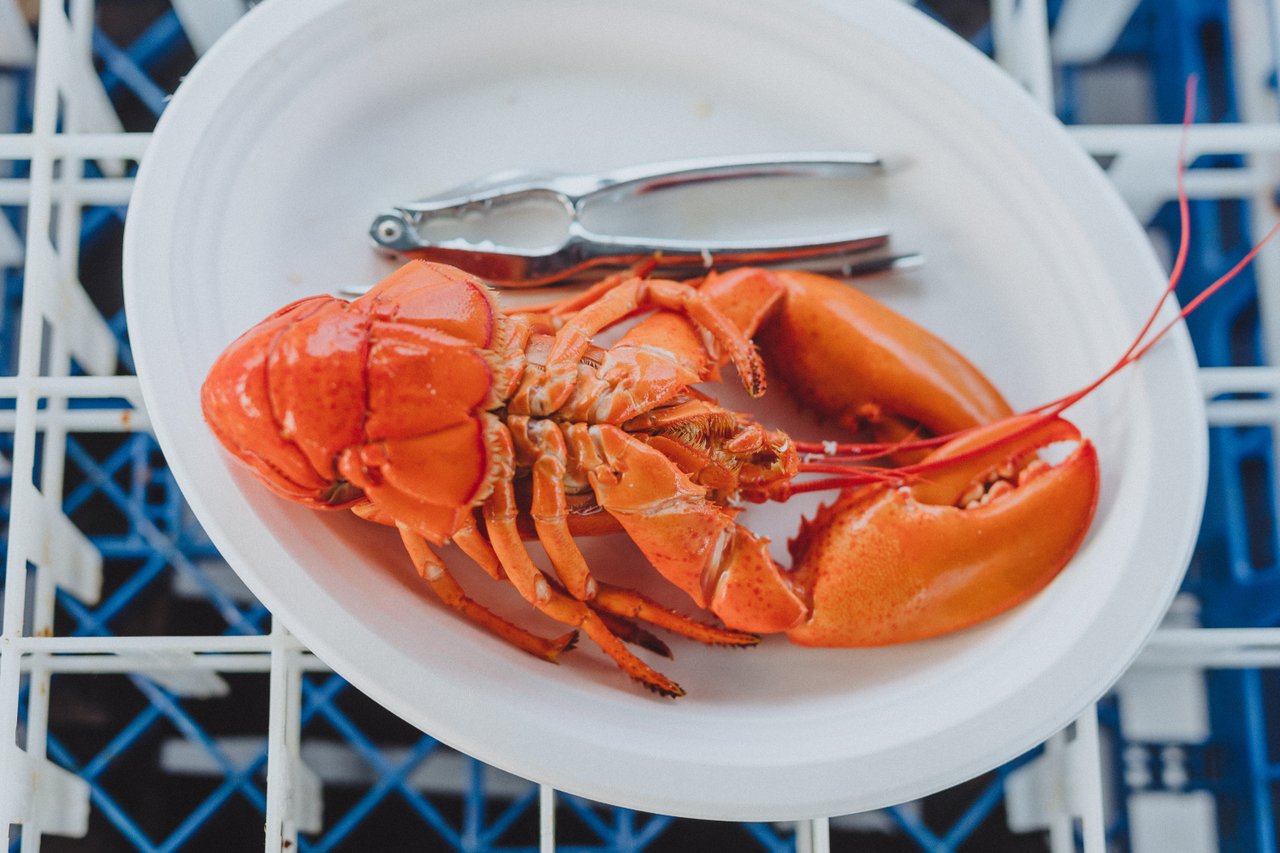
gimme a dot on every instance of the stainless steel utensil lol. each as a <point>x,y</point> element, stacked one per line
<point>577,249</point>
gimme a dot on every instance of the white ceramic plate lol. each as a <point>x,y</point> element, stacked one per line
<point>313,114</point>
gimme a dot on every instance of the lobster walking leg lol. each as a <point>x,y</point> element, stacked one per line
<point>500,512</point>
<point>560,306</point>
<point>474,545</point>
<point>694,543</point>
<point>433,570</point>
<point>630,604</point>
<point>574,337</point>
<point>541,445</point>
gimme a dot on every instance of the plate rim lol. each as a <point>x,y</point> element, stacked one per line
<point>254,35</point>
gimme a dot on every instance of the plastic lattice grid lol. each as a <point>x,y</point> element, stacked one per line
<point>154,705</point>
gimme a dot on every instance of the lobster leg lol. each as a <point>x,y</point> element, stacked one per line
<point>475,546</point>
<point>970,532</point>
<point>433,570</point>
<point>560,306</point>
<point>500,512</point>
<point>574,337</point>
<point>630,604</point>
<point>540,445</point>
<point>694,543</point>
<point>544,441</point>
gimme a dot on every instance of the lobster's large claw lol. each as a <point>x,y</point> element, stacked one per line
<point>848,357</point>
<point>887,564</point>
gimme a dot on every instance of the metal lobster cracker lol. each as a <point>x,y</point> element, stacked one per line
<point>575,249</point>
<point>427,405</point>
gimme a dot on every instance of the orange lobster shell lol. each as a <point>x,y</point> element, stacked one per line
<point>425,406</point>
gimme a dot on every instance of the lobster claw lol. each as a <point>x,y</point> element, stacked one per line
<point>983,525</point>
<point>847,357</point>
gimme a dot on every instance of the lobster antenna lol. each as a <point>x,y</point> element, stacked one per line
<point>858,452</point>
<point>1142,342</point>
<point>1141,345</point>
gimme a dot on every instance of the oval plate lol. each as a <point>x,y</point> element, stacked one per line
<point>311,115</point>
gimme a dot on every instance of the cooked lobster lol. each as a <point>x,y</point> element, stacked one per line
<point>423,405</point>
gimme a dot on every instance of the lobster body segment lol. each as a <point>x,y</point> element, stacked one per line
<point>425,406</point>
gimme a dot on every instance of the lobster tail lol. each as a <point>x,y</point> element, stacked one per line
<point>239,404</point>
<point>330,402</point>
